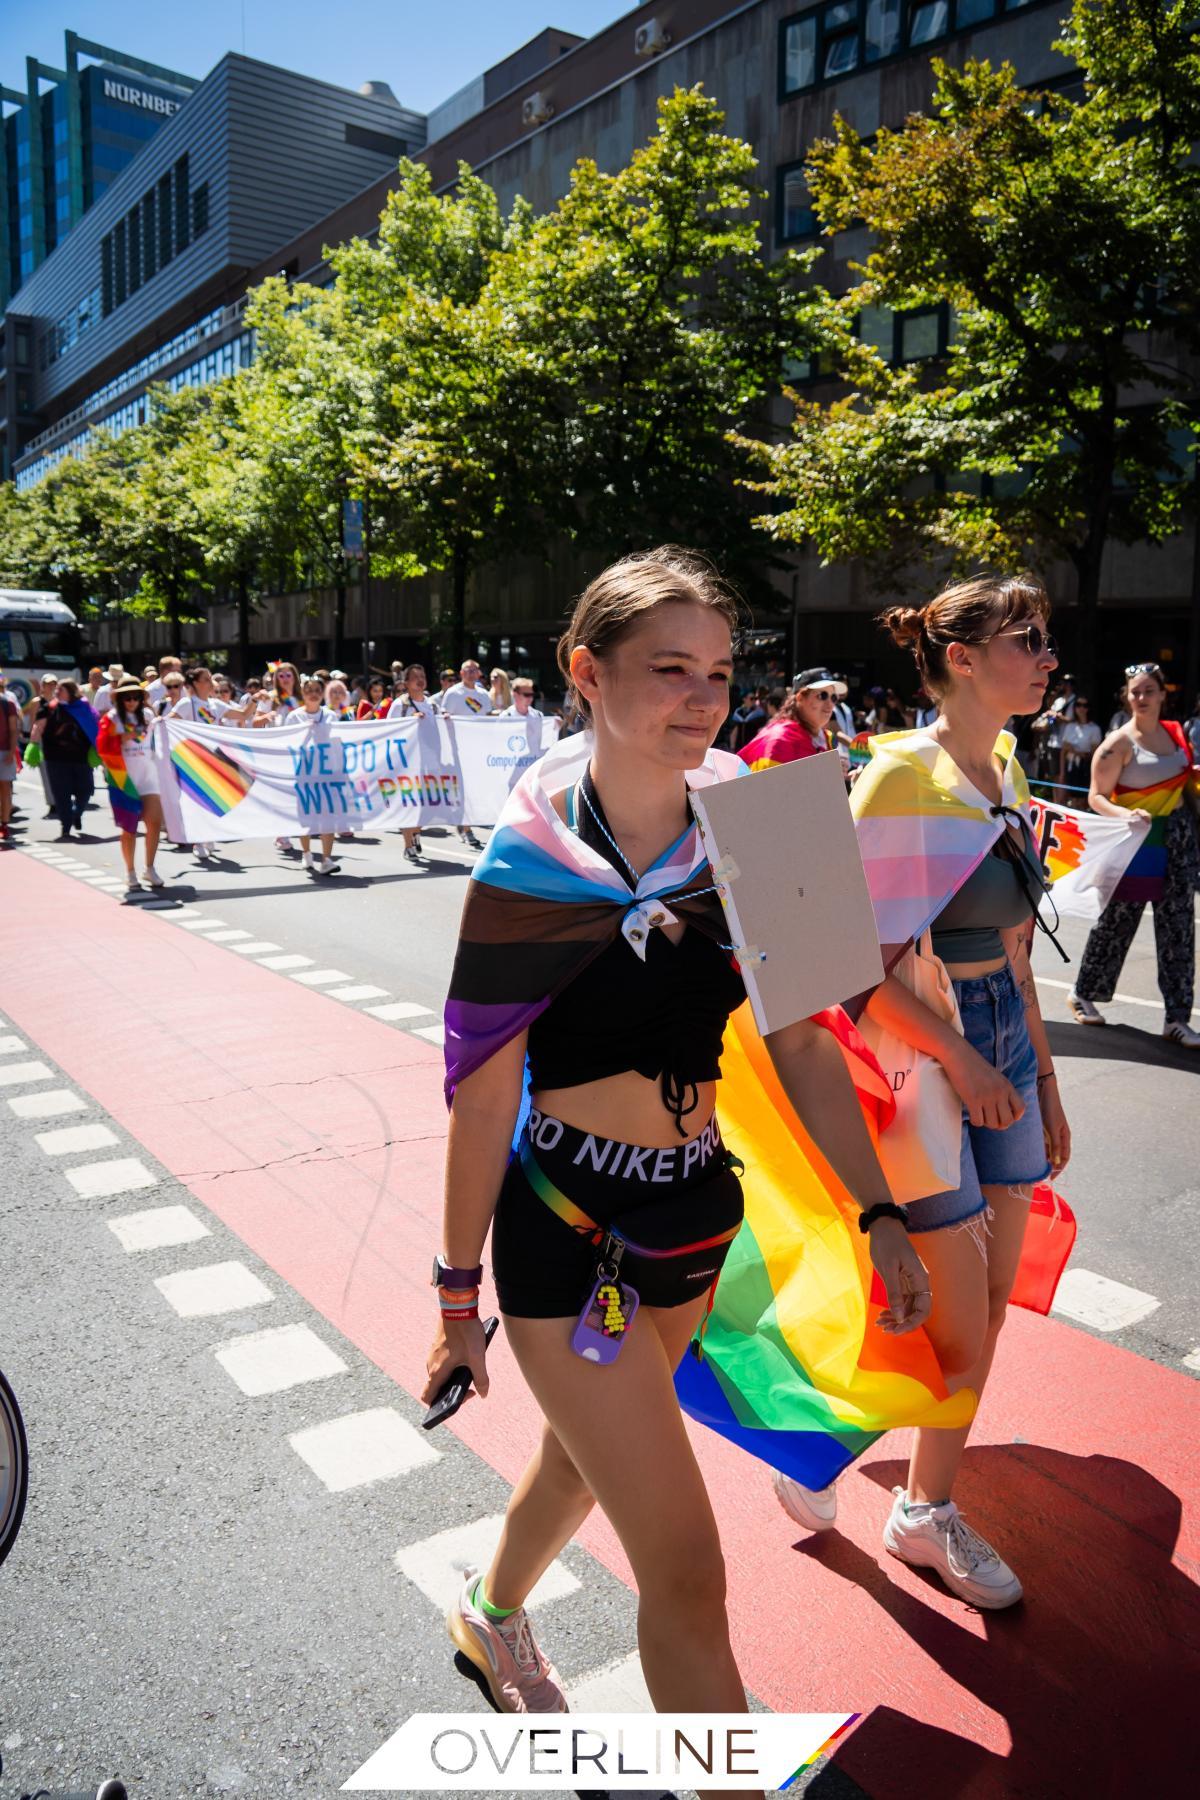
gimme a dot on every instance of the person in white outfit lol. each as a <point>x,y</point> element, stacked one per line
<point>413,701</point>
<point>313,715</point>
<point>201,706</point>
<point>468,699</point>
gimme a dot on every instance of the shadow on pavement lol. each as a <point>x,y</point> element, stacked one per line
<point>1118,1043</point>
<point>1094,1673</point>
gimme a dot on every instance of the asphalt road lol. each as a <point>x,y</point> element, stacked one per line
<point>188,1564</point>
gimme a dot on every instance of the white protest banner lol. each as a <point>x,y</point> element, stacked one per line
<point>322,774</point>
<point>1085,853</point>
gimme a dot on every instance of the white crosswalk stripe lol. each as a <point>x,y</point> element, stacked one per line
<point>15,1074</point>
<point>363,1447</point>
<point>437,1563</point>
<point>360,991</point>
<point>1103,1304</point>
<point>267,1362</point>
<point>216,1288</point>
<point>321,977</point>
<point>157,1228</point>
<point>94,1181</point>
<point>48,1105</point>
<point>399,1009</point>
<point>70,1140</point>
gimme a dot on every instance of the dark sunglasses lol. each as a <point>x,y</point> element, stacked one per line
<point>1036,641</point>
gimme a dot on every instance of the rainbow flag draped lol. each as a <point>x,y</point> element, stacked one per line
<point>1143,878</point>
<point>125,800</point>
<point>212,779</point>
<point>790,1365</point>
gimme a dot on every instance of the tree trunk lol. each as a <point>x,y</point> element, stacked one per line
<point>458,625</point>
<point>243,612</point>
<point>339,624</point>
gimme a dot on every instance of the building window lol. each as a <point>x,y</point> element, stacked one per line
<point>165,248</point>
<point>182,221</point>
<point>877,327</point>
<point>923,334</point>
<point>794,215</point>
<point>107,297</point>
<point>121,267</point>
<point>833,40</point>
<point>149,235</point>
<point>200,209</point>
<point>380,141</point>
<point>133,228</point>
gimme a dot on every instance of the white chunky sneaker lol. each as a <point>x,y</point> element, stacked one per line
<point>1178,1033</point>
<point>505,1652</point>
<point>939,1538</point>
<point>1084,1010</point>
<point>813,1508</point>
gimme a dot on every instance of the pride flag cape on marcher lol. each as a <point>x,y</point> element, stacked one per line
<point>791,1365</point>
<point>793,1354</point>
<point>125,799</point>
<point>1143,878</point>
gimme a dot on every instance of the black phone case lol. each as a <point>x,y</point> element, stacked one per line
<point>457,1385</point>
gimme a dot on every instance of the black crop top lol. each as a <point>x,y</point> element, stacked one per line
<point>664,1018</point>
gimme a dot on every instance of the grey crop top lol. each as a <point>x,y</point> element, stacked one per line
<point>968,927</point>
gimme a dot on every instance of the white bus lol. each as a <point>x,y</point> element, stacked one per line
<point>39,635</point>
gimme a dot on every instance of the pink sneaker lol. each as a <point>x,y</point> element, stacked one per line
<point>519,1677</point>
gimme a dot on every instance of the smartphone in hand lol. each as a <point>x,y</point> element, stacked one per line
<point>456,1386</point>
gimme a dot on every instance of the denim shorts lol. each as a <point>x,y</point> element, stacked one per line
<point>993,1016</point>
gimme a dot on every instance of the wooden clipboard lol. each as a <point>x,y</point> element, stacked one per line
<point>785,857</point>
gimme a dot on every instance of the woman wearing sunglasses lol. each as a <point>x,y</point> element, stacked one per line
<point>983,652</point>
<point>1144,771</point>
<point>800,727</point>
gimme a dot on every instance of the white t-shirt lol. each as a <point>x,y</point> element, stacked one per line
<point>156,691</point>
<point>200,712</point>
<point>405,707</point>
<point>302,716</point>
<point>462,702</point>
<point>1079,739</point>
<point>138,751</point>
<point>534,721</point>
<point>102,699</point>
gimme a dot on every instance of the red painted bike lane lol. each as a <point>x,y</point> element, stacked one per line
<point>316,1135</point>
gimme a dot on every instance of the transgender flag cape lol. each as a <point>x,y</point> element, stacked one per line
<point>791,1366</point>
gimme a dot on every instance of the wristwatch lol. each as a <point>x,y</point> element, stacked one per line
<point>445,1276</point>
<point>885,1210</point>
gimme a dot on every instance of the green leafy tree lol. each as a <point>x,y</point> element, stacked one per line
<point>665,328</point>
<point>1064,238</point>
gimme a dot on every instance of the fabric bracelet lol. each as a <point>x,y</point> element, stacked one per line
<point>464,1312</point>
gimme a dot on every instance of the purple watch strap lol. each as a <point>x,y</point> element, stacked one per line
<point>445,1276</point>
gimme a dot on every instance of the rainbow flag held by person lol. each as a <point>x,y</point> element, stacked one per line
<point>1144,876</point>
<point>210,777</point>
<point>123,796</point>
<point>790,1364</point>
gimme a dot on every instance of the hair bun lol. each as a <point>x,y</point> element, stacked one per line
<point>904,623</point>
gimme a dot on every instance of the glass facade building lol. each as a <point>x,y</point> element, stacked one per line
<point>69,134</point>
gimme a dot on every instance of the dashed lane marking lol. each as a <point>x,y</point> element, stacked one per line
<point>290,961</point>
<point>192,921</point>
<point>1192,1360</point>
<point>359,991</point>
<point>1103,1304</point>
<point>157,1228</point>
<point>321,977</point>
<point>228,936</point>
<point>121,1175</point>
<point>13,1074</point>
<point>434,1034</point>
<point>267,1362</point>
<point>69,1140</point>
<point>436,1565</point>
<point>362,1447</point>
<point>399,1009</point>
<point>260,948</point>
<point>620,1687</point>
<point>9,1044</point>
<point>215,1288</point>
<point>47,1105</point>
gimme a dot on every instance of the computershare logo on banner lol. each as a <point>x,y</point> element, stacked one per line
<point>536,1754</point>
<point>322,774</point>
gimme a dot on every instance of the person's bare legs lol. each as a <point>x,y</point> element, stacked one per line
<point>128,846</point>
<point>970,1301</point>
<point>152,819</point>
<point>651,1490</point>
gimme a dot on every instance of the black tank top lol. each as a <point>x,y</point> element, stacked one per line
<point>664,1018</point>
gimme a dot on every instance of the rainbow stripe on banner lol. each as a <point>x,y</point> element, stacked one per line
<point>210,777</point>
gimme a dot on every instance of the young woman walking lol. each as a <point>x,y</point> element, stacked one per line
<point>983,650</point>
<point>412,702</point>
<point>593,943</point>
<point>310,716</point>
<point>125,748</point>
<point>1144,770</point>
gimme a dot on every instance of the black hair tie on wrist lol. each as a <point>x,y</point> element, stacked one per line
<point>885,1210</point>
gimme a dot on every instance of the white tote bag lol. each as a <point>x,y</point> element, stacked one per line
<point>920,1152</point>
